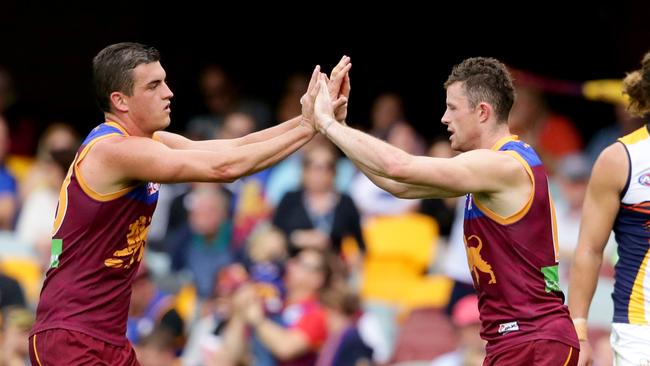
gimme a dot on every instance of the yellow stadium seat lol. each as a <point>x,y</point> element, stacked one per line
<point>19,166</point>
<point>350,249</point>
<point>27,272</point>
<point>185,304</point>
<point>399,251</point>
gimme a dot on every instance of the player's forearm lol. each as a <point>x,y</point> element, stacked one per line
<point>369,153</point>
<point>261,155</point>
<point>219,145</point>
<point>584,277</point>
<point>270,132</point>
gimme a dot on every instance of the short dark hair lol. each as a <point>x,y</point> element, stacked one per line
<point>113,69</point>
<point>485,79</point>
<point>637,86</point>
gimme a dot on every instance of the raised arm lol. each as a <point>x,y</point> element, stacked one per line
<point>599,211</point>
<point>338,86</point>
<point>116,162</point>
<point>409,176</point>
<point>143,159</point>
<point>179,142</point>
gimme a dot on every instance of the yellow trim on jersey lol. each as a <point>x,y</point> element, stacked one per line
<point>636,136</point>
<point>118,126</point>
<point>569,356</point>
<point>556,245</point>
<point>62,207</point>
<point>35,352</point>
<point>504,140</point>
<point>522,211</point>
<point>636,306</point>
<point>82,182</point>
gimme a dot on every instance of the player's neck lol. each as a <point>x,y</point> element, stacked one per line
<point>127,124</point>
<point>493,135</point>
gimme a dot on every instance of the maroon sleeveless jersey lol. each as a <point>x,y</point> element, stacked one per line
<point>514,264</point>
<point>97,245</point>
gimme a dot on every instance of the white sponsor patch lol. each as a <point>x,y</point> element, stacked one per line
<point>152,188</point>
<point>508,327</point>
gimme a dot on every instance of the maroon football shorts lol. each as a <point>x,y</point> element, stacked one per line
<point>541,352</point>
<point>64,347</point>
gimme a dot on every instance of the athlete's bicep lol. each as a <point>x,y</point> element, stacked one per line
<point>602,200</point>
<point>179,142</point>
<point>470,172</point>
<point>173,140</point>
<point>143,159</point>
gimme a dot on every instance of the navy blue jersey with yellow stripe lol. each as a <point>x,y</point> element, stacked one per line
<point>632,229</point>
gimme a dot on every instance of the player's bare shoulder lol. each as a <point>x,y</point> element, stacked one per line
<point>513,168</point>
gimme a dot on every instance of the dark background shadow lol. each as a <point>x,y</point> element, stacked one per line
<point>404,48</point>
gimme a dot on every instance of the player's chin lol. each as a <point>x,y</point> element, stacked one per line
<point>455,145</point>
<point>165,122</point>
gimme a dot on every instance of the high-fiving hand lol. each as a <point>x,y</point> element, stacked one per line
<point>324,108</point>
<point>338,86</point>
<point>307,100</point>
<point>333,91</point>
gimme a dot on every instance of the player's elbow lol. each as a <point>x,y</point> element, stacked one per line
<point>401,193</point>
<point>587,251</point>
<point>225,173</point>
<point>396,167</point>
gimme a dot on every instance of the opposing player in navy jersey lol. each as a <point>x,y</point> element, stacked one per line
<point>618,198</point>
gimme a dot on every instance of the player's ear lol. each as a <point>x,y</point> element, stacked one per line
<point>484,111</point>
<point>119,101</point>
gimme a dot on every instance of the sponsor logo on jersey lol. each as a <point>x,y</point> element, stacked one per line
<point>152,188</point>
<point>645,179</point>
<point>505,328</point>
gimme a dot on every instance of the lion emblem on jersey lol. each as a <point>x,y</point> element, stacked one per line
<point>134,250</point>
<point>476,262</point>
